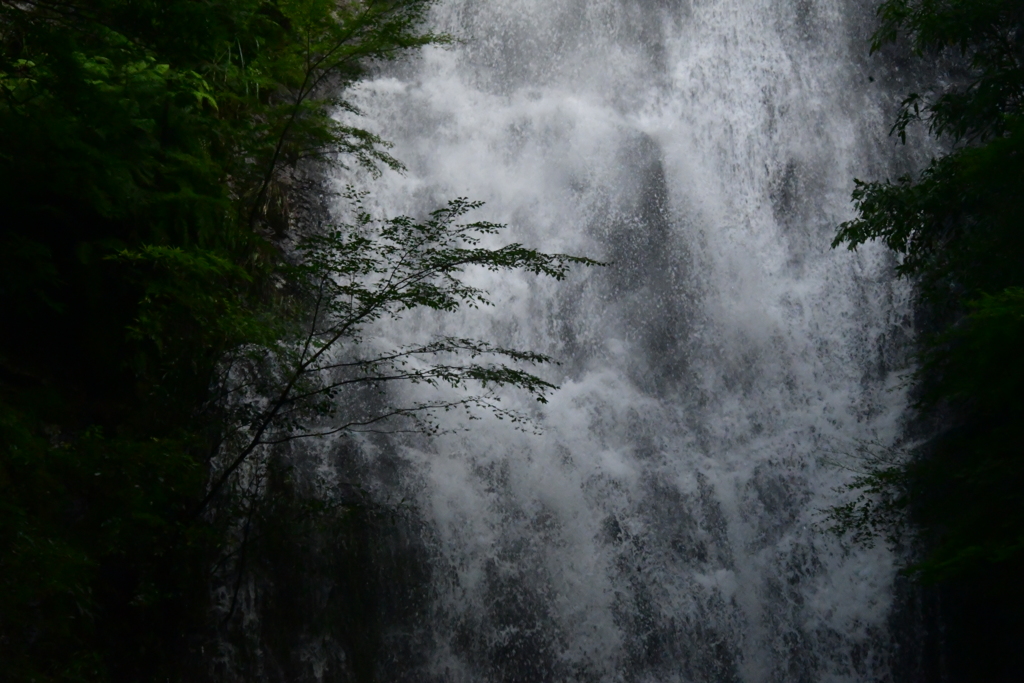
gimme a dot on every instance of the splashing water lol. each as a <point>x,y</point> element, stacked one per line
<point>662,526</point>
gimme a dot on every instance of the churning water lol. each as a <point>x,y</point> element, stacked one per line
<point>661,528</point>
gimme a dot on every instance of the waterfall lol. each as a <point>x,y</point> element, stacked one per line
<point>661,527</point>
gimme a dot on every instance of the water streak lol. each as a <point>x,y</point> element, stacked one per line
<point>661,527</point>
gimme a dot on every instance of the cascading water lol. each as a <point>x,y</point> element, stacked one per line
<point>661,526</point>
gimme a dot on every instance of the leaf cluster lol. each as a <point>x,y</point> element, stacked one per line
<point>356,276</point>
<point>955,229</point>
<point>172,320</point>
<point>985,33</point>
<point>149,158</point>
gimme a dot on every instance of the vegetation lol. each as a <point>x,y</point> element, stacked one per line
<point>956,230</point>
<point>177,303</point>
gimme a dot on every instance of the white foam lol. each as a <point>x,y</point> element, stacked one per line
<point>660,528</point>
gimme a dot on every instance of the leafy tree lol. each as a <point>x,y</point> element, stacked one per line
<point>160,131</point>
<point>954,225</point>
<point>360,274</point>
<point>956,230</point>
<point>161,336</point>
<point>324,378</point>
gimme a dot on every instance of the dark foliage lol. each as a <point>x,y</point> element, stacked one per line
<point>159,338</point>
<point>956,228</point>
